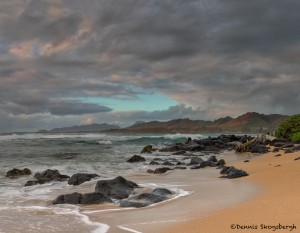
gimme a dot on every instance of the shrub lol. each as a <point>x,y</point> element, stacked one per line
<point>288,127</point>
<point>296,137</point>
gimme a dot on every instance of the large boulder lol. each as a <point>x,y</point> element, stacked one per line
<point>94,198</point>
<point>84,199</point>
<point>167,163</point>
<point>136,204</point>
<point>136,159</point>
<point>72,198</point>
<point>162,191</point>
<point>212,158</point>
<point>261,149</point>
<point>154,163</point>
<point>148,197</point>
<point>179,168</point>
<point>196,160</point>
<point>236,174</point>
<point>80,178</point>
<point>227,170</point>
<point>181,152</point>
<point>192,147</point>
<point>204,164</point>
<point>147,149</point>
<point>17,172</point>
<point>145,199</point>
<point>221,162</point>
<point>232,173</point>
<point>162,170</point>
<point>170,149</point>
<point>118,188</point>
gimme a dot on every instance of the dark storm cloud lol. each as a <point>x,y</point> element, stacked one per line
<point>224,56</point>
<point>35,22</point>
<point>58,108</point>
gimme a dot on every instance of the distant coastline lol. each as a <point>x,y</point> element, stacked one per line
<point>250,122</point>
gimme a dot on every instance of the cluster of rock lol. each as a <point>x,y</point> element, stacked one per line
<point>196,162</point>
<point>50,175</point>
<point>115,190</point>
<point>123,192</point>
<point>118,190</point>
<point>15,173</point>
<point>190,151</point>
<point>232,172</point>
<point>47,176</point>
<point>211,145</point>
<point>286,146</point>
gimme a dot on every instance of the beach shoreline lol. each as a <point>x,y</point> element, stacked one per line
<point>199,197</point>
<point>275,208</point>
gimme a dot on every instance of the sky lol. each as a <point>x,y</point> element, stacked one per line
<point>72,62</point>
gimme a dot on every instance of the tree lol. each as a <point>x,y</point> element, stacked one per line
<point>288,127</point>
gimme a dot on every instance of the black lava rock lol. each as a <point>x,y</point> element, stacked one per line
<point>17,172</point>
<point>118,188</point>
<point>136,159</point>
<point>80,178</point>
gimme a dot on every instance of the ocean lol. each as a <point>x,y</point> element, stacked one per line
<point>29,209</point>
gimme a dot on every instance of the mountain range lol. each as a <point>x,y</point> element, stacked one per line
<point>250,122</point>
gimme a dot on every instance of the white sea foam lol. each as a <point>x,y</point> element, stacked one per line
<point>179,135</point>
<point>68,210</point>
<point>101,227</point>
<point>107,210</point>
<point>95,136</point>
<point>105,142</point>
<point>128,229</point>
<point>31,136</point>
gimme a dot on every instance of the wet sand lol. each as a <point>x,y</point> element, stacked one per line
<point>207,194</point>
<point>278,203</point>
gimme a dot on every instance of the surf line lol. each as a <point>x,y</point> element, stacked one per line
<point>153,222</point>
<point>128,229</point>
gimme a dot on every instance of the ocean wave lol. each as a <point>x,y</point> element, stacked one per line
<point>100,137</point>
<point>32,136</point>
<point>105,142</point>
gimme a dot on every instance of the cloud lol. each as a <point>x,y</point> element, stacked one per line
<point>57,108</point>
<point>126,118</point>
<point>220,57</point>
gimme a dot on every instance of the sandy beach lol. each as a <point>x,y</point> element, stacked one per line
<point>276,206</point>
<point>203,193</point>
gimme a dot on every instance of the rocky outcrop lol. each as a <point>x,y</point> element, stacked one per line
<point>261,149</point>
<point>136,159</point>
<point>84,199</point>
<point>14,173</point>
<point>221,162</point>
<point>80,178</point>
<point>207,145</point>
<point>118,188</point>
<point>196,160</point>
<point>232,172</point>
<point>161,170</point>
<point>148,149</point>
<point>47,176</point>
<point>153,163</point>
<point>167,163</point>
<point>145,199</point>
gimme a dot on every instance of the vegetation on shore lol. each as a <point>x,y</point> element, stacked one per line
<point>289,128</point>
